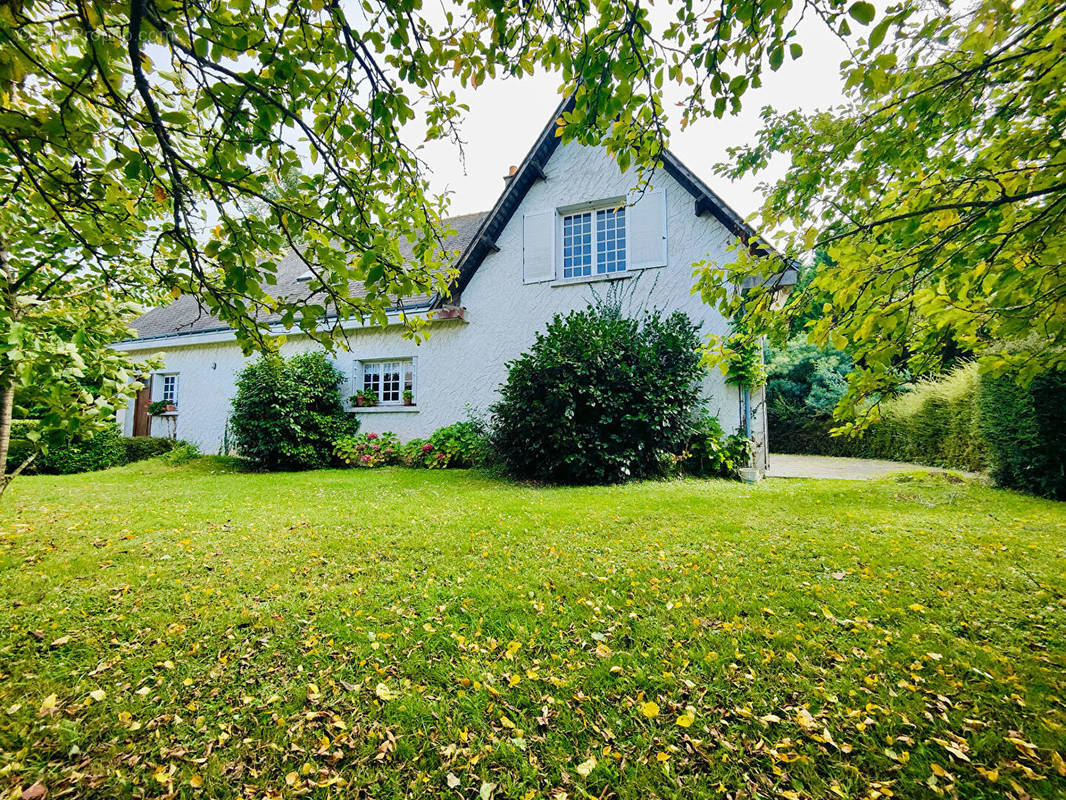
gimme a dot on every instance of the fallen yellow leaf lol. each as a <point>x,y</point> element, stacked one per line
<point>49,705</point>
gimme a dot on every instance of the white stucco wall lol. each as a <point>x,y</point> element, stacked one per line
<point>463,362</point>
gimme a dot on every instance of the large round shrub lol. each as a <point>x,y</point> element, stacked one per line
<point>600,398</point>
<point>288,413</point>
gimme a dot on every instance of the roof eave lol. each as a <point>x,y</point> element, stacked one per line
<point>162,337</point>
<point>529,171</point>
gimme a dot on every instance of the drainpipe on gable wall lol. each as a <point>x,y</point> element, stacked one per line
<point>747,413</point>
<point>745,395</point>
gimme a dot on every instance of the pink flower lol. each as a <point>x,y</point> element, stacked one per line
<point>371,436</point>
<point>427,447</point>
<point>377,447</point>
<point>365,459</point>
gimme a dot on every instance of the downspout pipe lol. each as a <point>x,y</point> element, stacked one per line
<point>745,398</point>
<point>747,413</point>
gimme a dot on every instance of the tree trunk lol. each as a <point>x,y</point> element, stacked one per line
<point>7,405</point>
<point>7,380</point>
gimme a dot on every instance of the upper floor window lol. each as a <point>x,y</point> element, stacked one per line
<point>577,245</point>
<point>611,239</point>
<point>594,242</point>
<point>388,380</point>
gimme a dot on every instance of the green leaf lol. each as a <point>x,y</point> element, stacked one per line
<point>862,12</point>
<point>877,35</point>
<point>132,169</point>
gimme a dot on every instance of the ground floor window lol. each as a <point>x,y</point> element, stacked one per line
<point>388,380</point>
<point>169,390</point>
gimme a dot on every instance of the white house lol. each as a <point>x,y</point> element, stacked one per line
<point>559,231</point>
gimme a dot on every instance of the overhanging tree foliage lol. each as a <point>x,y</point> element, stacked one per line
<point>204,107</point>
<point>212,135</point>
<point>65,298</point>
<point>938,193</point>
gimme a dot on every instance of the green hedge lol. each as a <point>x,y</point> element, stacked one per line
<point>67,455</point>
<point>962,421</point>
<point>139,448</point>
<point>937,423</point>
<point>1025,428</point>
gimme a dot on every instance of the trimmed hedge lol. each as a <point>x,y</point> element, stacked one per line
<point>67,455</point>
<point>139,448</point>
<point>1025,428</point>
<point>937,423</point>
<point>962,421</point>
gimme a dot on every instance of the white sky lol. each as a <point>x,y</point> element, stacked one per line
<point>506,116</point>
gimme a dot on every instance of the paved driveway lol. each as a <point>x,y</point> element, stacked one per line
<point>856,469</point>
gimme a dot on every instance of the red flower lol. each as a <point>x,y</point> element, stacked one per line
<point>427,447</point>
<point>371,436</point>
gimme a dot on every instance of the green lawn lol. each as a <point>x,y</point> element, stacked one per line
<point>206,633</point>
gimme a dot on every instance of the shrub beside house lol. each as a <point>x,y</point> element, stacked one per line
<point>287,412</point>
<point>599,398</point>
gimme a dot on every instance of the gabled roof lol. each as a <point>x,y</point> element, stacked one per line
<point>475,237</point>
<point>531,170</point>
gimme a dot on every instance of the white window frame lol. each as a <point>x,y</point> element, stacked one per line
<point>359,377</point>
<point>175,393</point>
<point>592,209</point>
